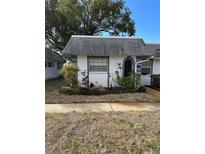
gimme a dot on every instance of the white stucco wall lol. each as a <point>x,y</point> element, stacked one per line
<point>51,72</point>
<point>82,65</point>
<point>97,78</point>
<point>101,78</point>
<point>113,66</point>
<point>156,66</point>
<point>145,80</point>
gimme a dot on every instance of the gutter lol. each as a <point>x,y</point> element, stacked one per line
<point>138,62</point>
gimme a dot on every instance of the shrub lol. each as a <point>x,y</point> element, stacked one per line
<point>128,82</point>
<point>69,90</point>
<point>98,90</point>
<point>69,73</point>
<point>155,81</point>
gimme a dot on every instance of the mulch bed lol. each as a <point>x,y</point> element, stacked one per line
<point>53,96</point>
<point>100,91</point>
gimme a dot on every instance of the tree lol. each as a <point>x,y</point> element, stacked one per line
<point>85,17</point>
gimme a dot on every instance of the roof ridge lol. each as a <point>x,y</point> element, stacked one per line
<point>55,52</point>
<point>98,36</point>
<point>152,43</point>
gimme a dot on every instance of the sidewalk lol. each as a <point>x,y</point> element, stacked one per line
<point>101,107</point>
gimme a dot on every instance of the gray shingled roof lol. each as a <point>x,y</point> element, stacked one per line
<point>53,56</point>
<point>154,48</point>
<point>105,46</point>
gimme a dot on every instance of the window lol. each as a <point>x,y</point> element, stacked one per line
<point>139,67</point>
<point>59,65</point>
<point>145,71</point>
<point>146,68</point>
<point>49,64</point>
<point>73,60</point>
<point>98,64</point>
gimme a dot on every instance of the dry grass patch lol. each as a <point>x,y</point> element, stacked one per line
<point>57,98</point>
<point>109,132</point>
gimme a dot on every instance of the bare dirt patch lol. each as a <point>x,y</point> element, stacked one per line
<point>57,98</point>
<point>153,92</point>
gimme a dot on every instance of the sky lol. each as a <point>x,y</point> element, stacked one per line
<point>146,14</point>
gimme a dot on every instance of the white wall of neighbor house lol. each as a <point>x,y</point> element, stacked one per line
<point>146,79</point>
<point>51,72</point>
<point>156,66</point>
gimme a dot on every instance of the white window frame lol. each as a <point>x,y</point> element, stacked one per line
<point>98,64</point>
<point>146,65</point>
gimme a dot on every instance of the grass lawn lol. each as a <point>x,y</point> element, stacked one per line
<point>53,84</point>
<point>54,97</point>
<point>106,132</point>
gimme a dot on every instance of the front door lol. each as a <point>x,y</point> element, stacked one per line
<point>128,67</point>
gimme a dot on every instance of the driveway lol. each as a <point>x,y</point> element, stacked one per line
<point>101,107</point>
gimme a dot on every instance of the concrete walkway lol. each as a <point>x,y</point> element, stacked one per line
<point>101,107</point>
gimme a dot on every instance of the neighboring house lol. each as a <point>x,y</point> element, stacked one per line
<point>53,63</point>
<point>101,57</point>
<point>154,64</point>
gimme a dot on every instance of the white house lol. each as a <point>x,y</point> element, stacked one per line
<point>102,56</point>
<point>154,64</point>
<point>53,63</point>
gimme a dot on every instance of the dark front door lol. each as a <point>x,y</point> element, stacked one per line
<point>128,67</point>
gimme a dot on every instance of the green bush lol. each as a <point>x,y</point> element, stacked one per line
<point>69,90</point>
<point>128,82</point>
<point>69,73</point>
